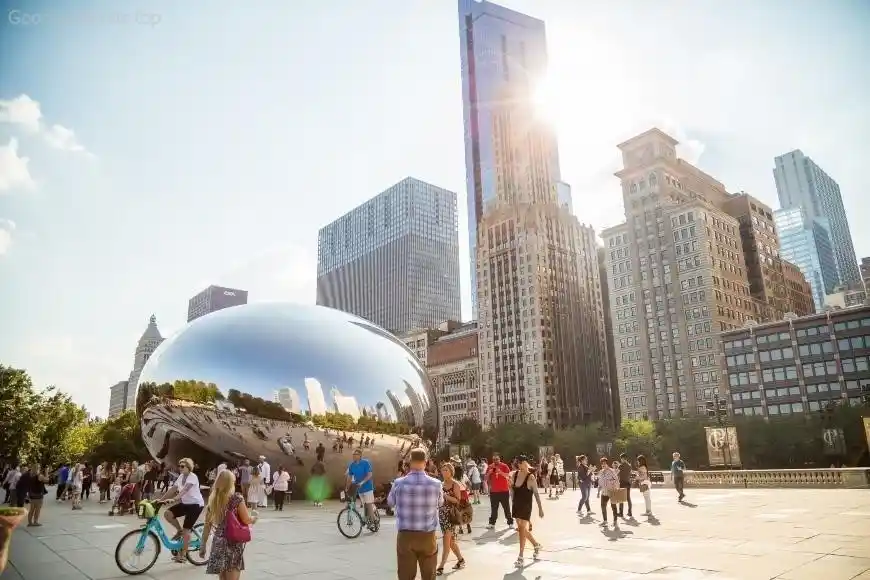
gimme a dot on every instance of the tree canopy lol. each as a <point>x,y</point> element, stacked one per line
<point>48,428</point>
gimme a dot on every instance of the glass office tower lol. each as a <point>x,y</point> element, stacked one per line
<point>394,260</point>
<point>805,243</point>
<point>802,183</point>
<point>503,55</point>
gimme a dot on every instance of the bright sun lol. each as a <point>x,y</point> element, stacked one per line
<point>545,99</point>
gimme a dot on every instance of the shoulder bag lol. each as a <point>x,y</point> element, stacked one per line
<point>234,530</point>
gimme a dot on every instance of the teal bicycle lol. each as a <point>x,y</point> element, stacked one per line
<point>130,554</point>
<point>352,519</point>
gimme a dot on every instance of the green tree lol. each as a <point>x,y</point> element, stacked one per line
<point>120,439</point>
<point>685,435</point>
<point>465,431</point>
<point>19,413</point>
<point>57,417</point>
<point>638,437</point>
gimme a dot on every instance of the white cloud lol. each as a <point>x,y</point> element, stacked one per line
<point>26,113</point>
<point>23,111</point>
<point>60,137</point>
<point>280,273</point>
<point>14,173</point>
<point>6,229</point>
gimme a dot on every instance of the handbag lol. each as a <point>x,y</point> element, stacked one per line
<point>234,530</point>
<point>644,487</point>
<point>619,495</point>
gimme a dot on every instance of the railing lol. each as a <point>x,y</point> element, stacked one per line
<point>846,478</point>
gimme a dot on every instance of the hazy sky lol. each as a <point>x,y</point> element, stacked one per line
<point>149,149</point>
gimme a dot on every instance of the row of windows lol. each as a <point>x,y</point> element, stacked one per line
<point>805,332</point>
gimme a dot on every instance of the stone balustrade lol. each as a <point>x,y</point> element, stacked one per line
<point>846,478</point>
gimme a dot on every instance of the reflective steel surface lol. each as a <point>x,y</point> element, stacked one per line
<point>278,380</point>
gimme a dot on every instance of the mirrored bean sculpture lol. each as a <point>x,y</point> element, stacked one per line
<point>299,385</point>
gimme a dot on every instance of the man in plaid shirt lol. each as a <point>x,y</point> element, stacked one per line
<point>416,499</point>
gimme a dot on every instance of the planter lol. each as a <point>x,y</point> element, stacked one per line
<point>9,519</point>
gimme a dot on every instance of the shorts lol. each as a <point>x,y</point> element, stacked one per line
<point>367,497</point>
<point>554,479</point>
<point>475,487</point>
<point>190,512</point>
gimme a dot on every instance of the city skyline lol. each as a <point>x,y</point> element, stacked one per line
<point>228,196</point>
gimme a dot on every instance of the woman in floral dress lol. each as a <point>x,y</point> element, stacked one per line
<point>227,559</point>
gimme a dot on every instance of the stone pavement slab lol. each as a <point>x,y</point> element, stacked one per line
<point>752,534</point>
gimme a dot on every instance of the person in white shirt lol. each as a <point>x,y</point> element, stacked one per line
<point>474,478</point>
<point>280,487</point>
<point>266,475</point>
<point>190,506</point>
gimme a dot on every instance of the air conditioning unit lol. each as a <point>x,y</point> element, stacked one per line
<point>750,323</point>
<point>789,316</point>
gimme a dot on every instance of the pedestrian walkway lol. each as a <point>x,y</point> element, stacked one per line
<point>715,535</point>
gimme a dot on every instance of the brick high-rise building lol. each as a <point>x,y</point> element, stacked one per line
<point>760,245</point>
<point>454,369</point>
<point>678,278</point>
<point>800,291</point>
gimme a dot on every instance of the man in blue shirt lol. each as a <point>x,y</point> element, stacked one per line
<point>360,474</point>
<point>678,469</point>
<point>62,476</point>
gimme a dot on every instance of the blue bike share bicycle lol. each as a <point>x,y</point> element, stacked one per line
<point>352,519</point>
<point>130,555</point>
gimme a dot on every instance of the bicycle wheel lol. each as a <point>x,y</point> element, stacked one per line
<point>195,543</point>
<point>350,523</point>
<point>142,563</point>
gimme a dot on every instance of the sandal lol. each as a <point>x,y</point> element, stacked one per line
<point>519,563</point>
<point>439,571</point>
<point>537,551</point>
<point>460,564</point>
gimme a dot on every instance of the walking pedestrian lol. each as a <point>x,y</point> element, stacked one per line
<point>416,498</point>
<point>499,490</point>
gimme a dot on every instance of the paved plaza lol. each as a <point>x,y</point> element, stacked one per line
<point>739,534</point>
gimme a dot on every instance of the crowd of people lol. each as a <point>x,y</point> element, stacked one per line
<point>427,497</point>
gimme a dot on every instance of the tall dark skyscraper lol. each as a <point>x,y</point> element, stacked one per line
<point>535,274</point>
<point>394,260</point>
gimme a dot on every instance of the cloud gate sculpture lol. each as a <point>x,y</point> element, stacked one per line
<point>289,382</point>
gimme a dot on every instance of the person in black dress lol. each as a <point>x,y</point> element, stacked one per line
<point>524,487</point>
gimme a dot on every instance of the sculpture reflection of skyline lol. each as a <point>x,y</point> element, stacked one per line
<point>287,399</point>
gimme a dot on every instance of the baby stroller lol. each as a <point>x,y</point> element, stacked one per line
<point>381,499</point>
<point>124,502</point>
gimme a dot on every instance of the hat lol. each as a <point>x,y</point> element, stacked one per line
<point>262,458</point>
<point>522,458</point>
<point>455,459</point>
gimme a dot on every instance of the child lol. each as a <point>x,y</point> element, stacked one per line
<point>255,489</point>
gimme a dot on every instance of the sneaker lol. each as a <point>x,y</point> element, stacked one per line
<point>537,551</point>
<point>490,526</point>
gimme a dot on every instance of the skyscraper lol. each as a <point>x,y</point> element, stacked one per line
<point>802,183</point>
<point>394,260</point>
<point>503,56</point>
<point>677,279</point>
<point>214,298</point>
<point>148,343</point>
<point>804,242</point>
<point>117,398</point>
<point>542,344</point>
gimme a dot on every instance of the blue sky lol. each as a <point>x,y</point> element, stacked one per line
<point>190,143</point>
